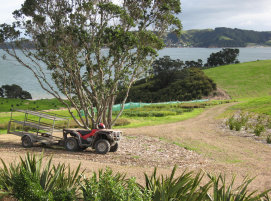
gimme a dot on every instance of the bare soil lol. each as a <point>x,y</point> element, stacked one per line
<point>216,151</point>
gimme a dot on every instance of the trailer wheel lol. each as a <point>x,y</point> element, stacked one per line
<point>71,144</point>
<point>114,148</point>
<point>102,146</point>
<point>27,142</point>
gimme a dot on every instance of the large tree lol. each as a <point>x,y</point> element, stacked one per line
<point>85,50</point>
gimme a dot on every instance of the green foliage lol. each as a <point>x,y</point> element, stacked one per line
<point>70,37</point>
<point>231,122</point>
<point>14,91</point>
<point>223,191</point>
<point>260,105</point>
<point>224,57</point>
<point>31,180</point>
<point>106,186</point>
<point>43,104</point>
<point>259,128</point>
<point>237,122</point>
<point>122,122</point>
<point>268,139</point>
<point>26,187</point>
<point>184,187</point>
<point>182,85</point>
<point>148,113</point>
<point>244,80</point>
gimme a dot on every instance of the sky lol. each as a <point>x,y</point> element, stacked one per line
<point>199,14</point>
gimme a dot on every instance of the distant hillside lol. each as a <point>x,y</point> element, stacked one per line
<point>220,37</point>
<point>245,80</point>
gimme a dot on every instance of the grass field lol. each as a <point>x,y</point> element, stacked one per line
<point>261,105</point>
<point>248,82</point>
<point>44,104</point>
<point>245,80</point>
<point>136,117</point>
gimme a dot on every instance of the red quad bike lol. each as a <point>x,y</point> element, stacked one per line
<point>102,140</point>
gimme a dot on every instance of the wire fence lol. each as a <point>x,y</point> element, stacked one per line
<point>132,105</point>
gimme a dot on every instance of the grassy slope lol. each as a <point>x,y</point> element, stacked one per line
<point>252,79</point>
<point>248,82</point>
<point>44,104</point>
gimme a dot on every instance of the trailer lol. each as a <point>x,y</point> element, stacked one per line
<point>52,129</point>
<point>38,127</point>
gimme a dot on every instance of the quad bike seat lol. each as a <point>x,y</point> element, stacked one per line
<point>84,132</point>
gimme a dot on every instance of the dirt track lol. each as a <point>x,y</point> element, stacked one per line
<point>218,151</point>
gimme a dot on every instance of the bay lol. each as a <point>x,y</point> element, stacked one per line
<point>13,73</point>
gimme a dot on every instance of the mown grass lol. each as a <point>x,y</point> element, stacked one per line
<point>261,105</point>
<point>136,122</point>
<point>44,104</point>
<point>136,117</point>
<point>245,80</point>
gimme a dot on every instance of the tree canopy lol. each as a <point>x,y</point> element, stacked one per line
<point>223,57</point>
<point>14,91</point>
<point>173,80</point>
<point>89,49</point>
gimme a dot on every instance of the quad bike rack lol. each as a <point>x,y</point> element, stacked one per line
<point>37,127</point>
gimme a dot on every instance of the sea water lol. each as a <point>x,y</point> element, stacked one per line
<point>13,73</point>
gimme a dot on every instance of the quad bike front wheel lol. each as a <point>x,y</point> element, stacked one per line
<point>102,146</point>
<point>71,144</point>
<point>114,148</point>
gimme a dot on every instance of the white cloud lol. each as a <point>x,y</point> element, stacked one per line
<point>245,14</point>
<point>198,14</point>
<point>6,9</point>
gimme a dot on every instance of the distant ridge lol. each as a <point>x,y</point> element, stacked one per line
<point>219,37</point>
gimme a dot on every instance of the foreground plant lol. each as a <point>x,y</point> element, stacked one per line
<point>184,187</point>
<point>29,180</point>
<point>223,192</point>
<point>188,187</point>
<point>107,186</point>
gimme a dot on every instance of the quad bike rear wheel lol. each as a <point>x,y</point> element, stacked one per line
<point>71,144</point>
<point>102,146</point>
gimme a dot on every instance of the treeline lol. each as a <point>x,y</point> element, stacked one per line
<point>175,80</point>
<point>220,37</point>
<point>14,91</point>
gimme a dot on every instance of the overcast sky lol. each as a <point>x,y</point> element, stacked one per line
<point>200,14</point>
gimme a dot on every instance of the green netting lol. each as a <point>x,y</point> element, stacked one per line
<point>131,105</point>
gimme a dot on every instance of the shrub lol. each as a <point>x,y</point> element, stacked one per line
<point>184,187</point>
<point>222,191</point>
<point>259,128</point>
<point>231,122</point>
<point>268,139</point>
<point>30,180</point>
<point>122,122</point>
<point>237,125</point>
<point>141,113</point>
<point>106,186</point>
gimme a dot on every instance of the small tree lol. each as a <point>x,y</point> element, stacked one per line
<point>1,92</point>
<point>223,57</point>
<point>165,68</point>
<point>85,50</point>
<point>14,91</point>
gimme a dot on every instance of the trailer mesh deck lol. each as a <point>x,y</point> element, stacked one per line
<point>39,130</point>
